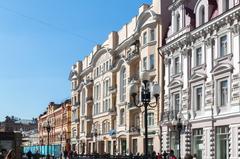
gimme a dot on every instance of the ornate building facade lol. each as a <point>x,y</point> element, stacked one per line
<point>59,118</point>
<point>202,82</point>
<point>108,120</point>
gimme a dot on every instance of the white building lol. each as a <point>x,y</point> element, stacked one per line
<point>202,79</point>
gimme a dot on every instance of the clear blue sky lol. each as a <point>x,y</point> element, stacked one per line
<point>40,40</point>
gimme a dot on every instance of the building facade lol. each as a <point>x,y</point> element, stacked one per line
<point>202,83</point>
<point>13,124</point>
<point>59,118</point>
<point>106,119</point>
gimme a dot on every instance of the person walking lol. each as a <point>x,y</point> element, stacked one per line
<point>165,155</point>
<point>188,156</point>
<point>159,156</point>
<point>29,154</point>
<point>195,156</point>
<point>171,155</point>
<point>10,155</point>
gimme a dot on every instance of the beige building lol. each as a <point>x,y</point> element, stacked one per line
<point>105,120</point>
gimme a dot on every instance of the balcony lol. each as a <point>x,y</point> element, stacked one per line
<point>113,89</point>
<point>132,55</point>
<point>132,106</point>
<point>134,77</point>
<point>89,100</point>
<point>168,116</point>
<point>134,130</point>
<point>89,82</point>
<point>112,111</point>
<point>88,118</point>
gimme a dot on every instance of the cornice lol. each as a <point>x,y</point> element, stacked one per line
<point>204,30</point>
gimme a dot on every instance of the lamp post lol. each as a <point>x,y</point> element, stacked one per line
<point>145,101</point>
<point>179,124</point>
<point>48,127</point>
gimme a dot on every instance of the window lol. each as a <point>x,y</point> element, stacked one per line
<point>152,34</point>
<point>202,15</point>
<point>198,142</point>
<point>106,88</point>
<point>135,146</point>
<point>222,142</point>
<point>223,93</point>
<point>97,71</point>
<point>144,38</point>
<point>104,67</point>
<point>144,63</point>
<point>123,83</point>
<point>151,61</point>
<point>150,145</point>
<point>122,116</point>
<point>82,130</point>
<point>177,22</point>
<point>198,56</point>
<point>176,65</point>
<point>223,45</point>
<point>176,104</point>
<point>105,127</point>
<point>198,98</point>
<point>97,92</point>
<point>150,119</point>
<point>107,65</point>
<point>225,5</point>
<point>83,101</point>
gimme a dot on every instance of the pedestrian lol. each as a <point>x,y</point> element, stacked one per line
<point>159,156</point>
<point>171,155</point>
<point>10,155</point>
<point>36,155</point>
<point>195,156</point>
<point>29,154</point>
<point>165,155</point>
<point>188,156</point>
<point>65,154</point>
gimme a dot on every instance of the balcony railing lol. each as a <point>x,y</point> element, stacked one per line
<point>134,77</point>
<point>89,99</point>
<point>169,115</point>
<point>89,81</point>
<point>134,54</point>
<point>112,111</point>
<point>134,130</point>
<point>113,89</point>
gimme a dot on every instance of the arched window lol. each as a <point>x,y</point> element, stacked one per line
<point>83,101</point>
<point>177,22</point>
<point>123,83</point>
<point>122,116</point>
<point>201,15</point>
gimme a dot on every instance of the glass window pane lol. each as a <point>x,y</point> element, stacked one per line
<point>223,46</point>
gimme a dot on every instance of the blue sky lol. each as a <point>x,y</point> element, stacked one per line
<point>40,40</point>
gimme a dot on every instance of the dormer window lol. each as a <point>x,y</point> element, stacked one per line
<point>202,15</point>
<point>177,22</point>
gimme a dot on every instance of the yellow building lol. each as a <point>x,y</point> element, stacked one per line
<point>108,120</point>
<point>59,118</point>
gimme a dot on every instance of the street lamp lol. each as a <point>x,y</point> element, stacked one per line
<point>48,127</point>
<point>179,124</point>
<point>145,99</point>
